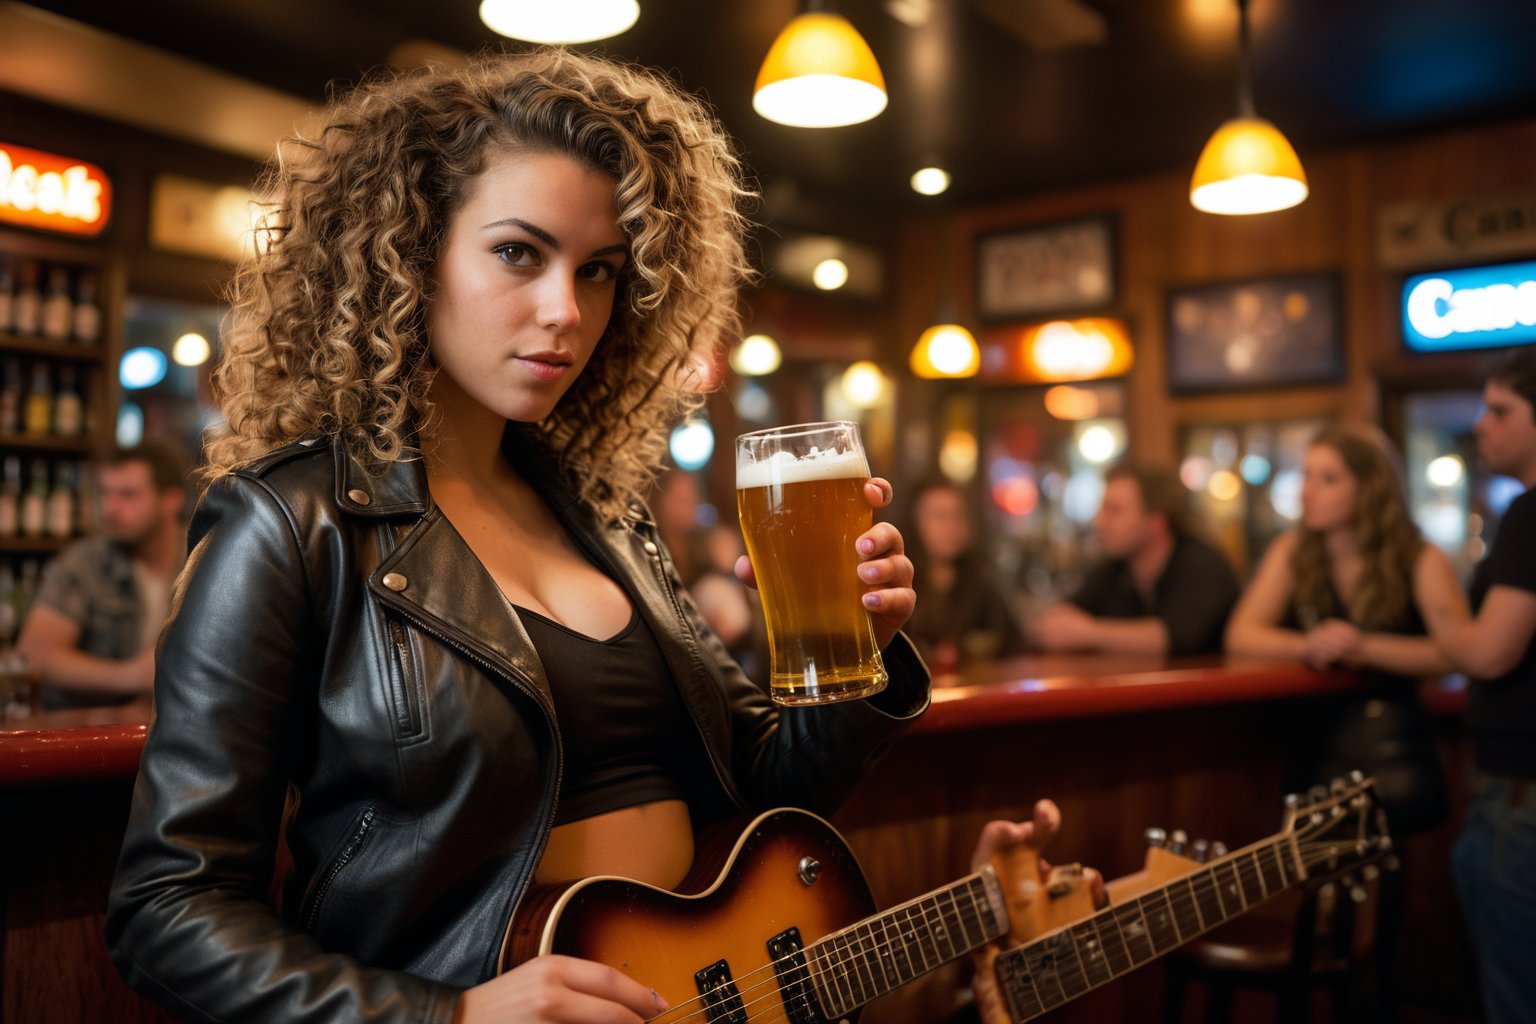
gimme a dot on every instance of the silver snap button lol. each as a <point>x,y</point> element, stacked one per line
<point>650,547</point>
<point>361,497</point>
<point>394,581</point>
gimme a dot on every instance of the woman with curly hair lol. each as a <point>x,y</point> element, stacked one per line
<point>1351,585</point>
<point>428,650</point>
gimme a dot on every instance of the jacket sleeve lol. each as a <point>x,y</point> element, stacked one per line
<point>808,757</point>
<point>186,922</point>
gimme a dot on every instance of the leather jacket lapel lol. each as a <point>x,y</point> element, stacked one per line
<point>434,579</point>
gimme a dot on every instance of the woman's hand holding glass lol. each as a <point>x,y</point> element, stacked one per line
<point>883,567</point>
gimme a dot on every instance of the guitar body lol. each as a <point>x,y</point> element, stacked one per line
<point>787,870</point>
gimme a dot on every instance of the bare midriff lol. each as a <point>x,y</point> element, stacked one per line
<point>650,843</point>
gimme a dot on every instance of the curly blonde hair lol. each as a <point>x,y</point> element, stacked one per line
<point>1388,538</point>
<point>327,334</point>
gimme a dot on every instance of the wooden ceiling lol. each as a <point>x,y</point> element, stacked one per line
<point>1013,96</point>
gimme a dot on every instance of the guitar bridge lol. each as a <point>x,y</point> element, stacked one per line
<point>786,951</point>
<point>718,992</point>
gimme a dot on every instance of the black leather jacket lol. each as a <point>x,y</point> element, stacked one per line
<point>334,644</point>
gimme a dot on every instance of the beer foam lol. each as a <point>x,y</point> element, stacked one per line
<point>784,468</point>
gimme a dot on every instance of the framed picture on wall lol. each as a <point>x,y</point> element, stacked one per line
<point>1066,267</point>
<point>1268,332</point>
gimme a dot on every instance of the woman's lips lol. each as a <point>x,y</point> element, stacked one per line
<point>547,368</point>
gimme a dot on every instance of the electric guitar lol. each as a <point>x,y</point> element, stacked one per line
<point>1067,951</point>
<point>778,925</point>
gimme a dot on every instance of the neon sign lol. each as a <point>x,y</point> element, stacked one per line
<point>53,193</point>
<point>1478,307</point>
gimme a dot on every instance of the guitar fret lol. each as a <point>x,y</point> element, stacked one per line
<point>1090,953</point>
<point>1207,898</point>
<point>895,956</point>
<point>1186,913</point>
<point>1141,933</point>
<point>1228,889</point>
<point>1116,948</point>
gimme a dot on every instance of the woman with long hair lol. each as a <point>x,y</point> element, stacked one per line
<point>428,649</point>
<point>966,617</point>
<point>1351,585</point>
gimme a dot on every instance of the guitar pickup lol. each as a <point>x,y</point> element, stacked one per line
<point>786,951</point>
<point>718,992</point>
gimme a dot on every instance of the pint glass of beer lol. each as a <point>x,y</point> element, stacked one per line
<point>800,493</point>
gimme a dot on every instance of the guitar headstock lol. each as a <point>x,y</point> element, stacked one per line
<point>1337,827</point>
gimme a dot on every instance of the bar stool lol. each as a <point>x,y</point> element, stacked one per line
<point>1320,937</point>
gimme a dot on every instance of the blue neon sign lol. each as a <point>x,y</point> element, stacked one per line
<point>1476,307</point>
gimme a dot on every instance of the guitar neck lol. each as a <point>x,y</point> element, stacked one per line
<point>1041,975</point>
<point>881,953</point>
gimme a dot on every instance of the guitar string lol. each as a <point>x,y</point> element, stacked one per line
<point>824,960</point>
<point>829,963</point>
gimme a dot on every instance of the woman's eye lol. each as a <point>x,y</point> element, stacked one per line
<point>599,272</point>
<point>516,254</point>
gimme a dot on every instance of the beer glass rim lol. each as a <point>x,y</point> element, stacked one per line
<point>798,429</point>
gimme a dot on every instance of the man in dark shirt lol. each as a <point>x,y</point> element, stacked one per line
<point>1495,856</point>
<point>1160,590</point>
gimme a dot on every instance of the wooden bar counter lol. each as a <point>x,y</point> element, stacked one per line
<point>1120,743</point>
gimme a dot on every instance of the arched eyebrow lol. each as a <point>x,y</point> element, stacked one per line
<point>549,239</point>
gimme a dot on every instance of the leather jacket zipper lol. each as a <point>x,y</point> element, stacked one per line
<point>548,818</point>
<point>407,706</point>
<point>348,851</point>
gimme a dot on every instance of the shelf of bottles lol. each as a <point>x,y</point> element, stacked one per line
<point>52,361</point>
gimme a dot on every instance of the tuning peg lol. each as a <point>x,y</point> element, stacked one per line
<point>1356,777</point>
<point>1201,851</point>
<point>1337,786</point>
<point>1292,801</point>
<point>1155,837</point>
<point>1178,841</point>
<point>1218,849</point>
<point>1317,794</point>
<point>1370,872</point>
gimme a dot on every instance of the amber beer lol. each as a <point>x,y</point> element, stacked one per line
<point>800,494</point>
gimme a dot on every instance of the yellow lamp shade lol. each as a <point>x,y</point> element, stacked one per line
<point>1247,167</point>
<point>946,350</point>
<point>820,73</point>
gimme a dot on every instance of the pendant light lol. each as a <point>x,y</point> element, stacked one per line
<point>559,21</point>
<point>1247,166</point>
<point>819,73</point>
<point>947,349</point>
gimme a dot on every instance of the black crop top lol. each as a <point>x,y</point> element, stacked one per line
<point>623,724</point>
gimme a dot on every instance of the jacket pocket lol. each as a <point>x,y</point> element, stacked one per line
<point>348,852</point>
<point>407,702</point>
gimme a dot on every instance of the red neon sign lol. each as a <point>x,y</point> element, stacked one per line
<point>54,193</point>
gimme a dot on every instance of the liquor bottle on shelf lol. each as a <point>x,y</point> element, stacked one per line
<point>68,409</point>
<point>7,295</point>
<point>10,623</point>
<point>34,503</point>
<point>61,501</point>
<point>27,307</point>
<point>10,397</point>
<point>10,497</point>
<point>87,314</point>
<point>58,308</point>
<point>37,413</point>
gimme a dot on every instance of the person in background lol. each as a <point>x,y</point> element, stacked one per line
<point>1494,860</point>
<point>1351,585</point>
<point>429,641</point>
<point>1160,589</point>
<point>965,616</point>
<point>90,634</point>
<point>730,609</point>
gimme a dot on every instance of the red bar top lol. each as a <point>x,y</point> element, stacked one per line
<point>105,743</point>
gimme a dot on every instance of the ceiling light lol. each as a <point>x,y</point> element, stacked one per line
<point>191,350</point>
<point>757,356</point>
<point>930,181</point>
<point>559,21</point>
<point>830,274</point>
<point>1248,166</point>
<point>865,385</point>
<point>819,73</point>
<point>946,350</point>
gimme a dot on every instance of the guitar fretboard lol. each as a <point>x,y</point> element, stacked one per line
<point>1041,975</point>
<point>876,956</point>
